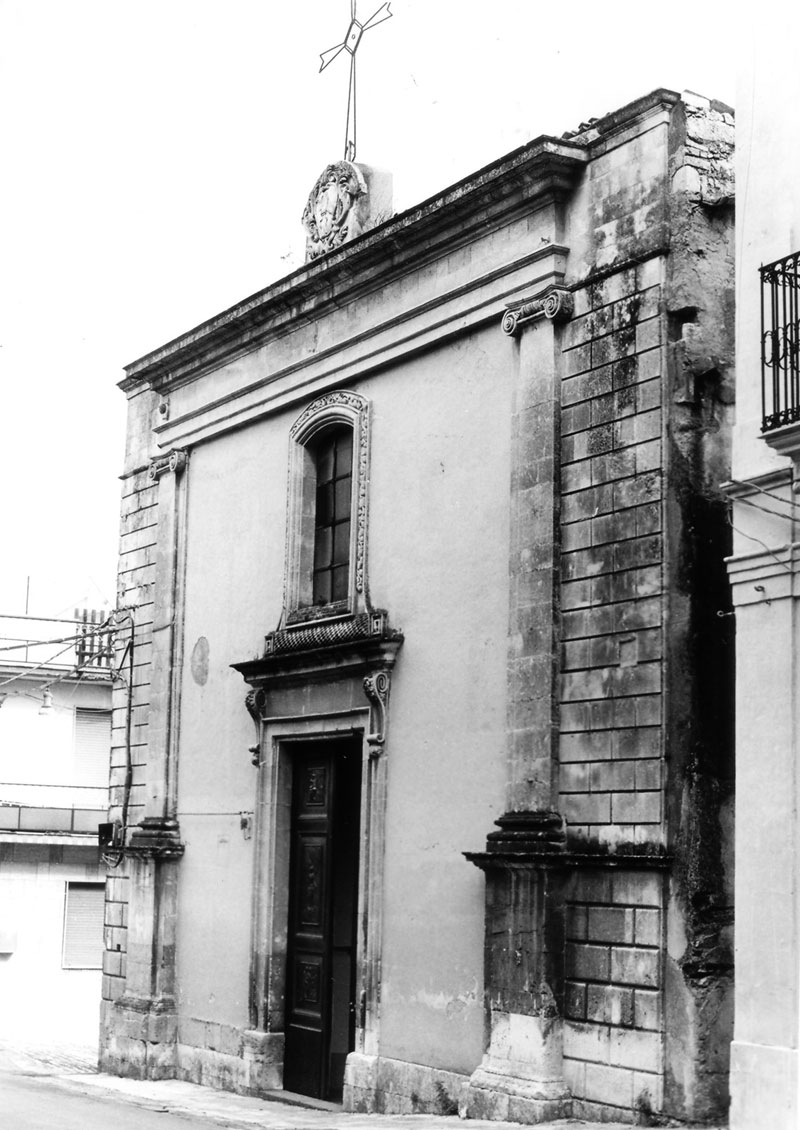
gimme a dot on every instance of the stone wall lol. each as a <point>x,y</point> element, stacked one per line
<point>135,592</point>
<point>613,1052</point>
<point>612,562</point>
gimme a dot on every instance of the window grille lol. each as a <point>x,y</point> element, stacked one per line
<point>83,926</point>
<point>780,342</point>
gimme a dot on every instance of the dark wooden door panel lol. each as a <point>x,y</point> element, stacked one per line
<point>320,984</point>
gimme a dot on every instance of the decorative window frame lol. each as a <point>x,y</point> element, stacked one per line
<point>340,407</point>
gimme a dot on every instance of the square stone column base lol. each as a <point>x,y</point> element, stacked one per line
<point>520,1078</point>
<point>139,1038</point>
<point>262,1053</point>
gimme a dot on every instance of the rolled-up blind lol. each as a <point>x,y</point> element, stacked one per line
<point>92,746</point>
<point>83,926</point>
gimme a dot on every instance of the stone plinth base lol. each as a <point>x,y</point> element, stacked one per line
<point>141,1040</point>
<point>138,1038</point>
<point>764,1087</point>
<point>378,1085</point>
<point>520,1079</point>
<point>262,1053</point>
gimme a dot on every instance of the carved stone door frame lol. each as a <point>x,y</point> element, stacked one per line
<point>264,1044</point>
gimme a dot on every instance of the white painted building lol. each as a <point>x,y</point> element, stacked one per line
<point>765,578</point>
<point>55,737</point>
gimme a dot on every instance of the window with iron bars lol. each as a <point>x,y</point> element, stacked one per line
<point>780,342</point>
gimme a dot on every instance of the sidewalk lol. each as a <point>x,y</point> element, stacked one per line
<point>75,1068</point>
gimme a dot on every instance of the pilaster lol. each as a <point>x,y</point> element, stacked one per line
<point>521,1075</point>
<point>141,1026</point>
<point>765,1063</point>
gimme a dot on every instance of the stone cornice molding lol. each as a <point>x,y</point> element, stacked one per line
<point>392,332</point>
<point>351,646</point>
<point>786,441</point>
<point>546,169</point>
<point>155,838</point>
<point>543,860</point>
<point>556,304</point>
<point>753,484</point>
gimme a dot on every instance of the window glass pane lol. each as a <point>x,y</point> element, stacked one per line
<point>341,543</point>
<point>339,586</point>
<point>322,587</point>
<point>322,548</point>
<point>342,498</point>
<point>334,458</point>
<point>344,452</point>
<point>325,504</point>
<point>325,460</point>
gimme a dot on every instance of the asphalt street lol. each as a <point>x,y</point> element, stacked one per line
<point>37,1102</point>
<point>58,1088</point>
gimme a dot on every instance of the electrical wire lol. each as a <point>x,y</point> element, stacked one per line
<point>768,493</point>
<point>114,858</point>
<point>18,646</point>
<point>764,509</point>
<point>763,545</point>
<point>31,670</point>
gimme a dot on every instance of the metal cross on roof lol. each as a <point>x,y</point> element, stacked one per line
<point>350,43</point>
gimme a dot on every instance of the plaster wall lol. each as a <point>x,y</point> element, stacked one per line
<point>765,1074</point>
<point>437,560</point>
<point>37,994</point>
<point>38,750</point>
<point>237,490</point>
<point>439,563</point>
<point>417,333</point>
<point>767,212</point>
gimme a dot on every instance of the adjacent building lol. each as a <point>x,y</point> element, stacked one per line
<point>763,570</point>
<point>55,739</point>
<point>426,799</point>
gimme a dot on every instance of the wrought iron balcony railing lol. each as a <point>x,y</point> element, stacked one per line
<point>780,343</point>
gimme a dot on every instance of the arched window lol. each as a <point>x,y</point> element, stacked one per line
<point>327,519</point>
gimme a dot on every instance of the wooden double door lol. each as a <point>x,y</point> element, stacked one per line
<point>323,904</point>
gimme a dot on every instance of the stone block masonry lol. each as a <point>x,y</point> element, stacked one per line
<point>611,751</point>
<point>612,562</point>
<point>135,591</point>
<point>613,1053</point>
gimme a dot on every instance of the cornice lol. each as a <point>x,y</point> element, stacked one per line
<point>754,484</point>
<point>399,334</point>
<point>749,573</point>
<point>546,169</point>
<point>336,661</point>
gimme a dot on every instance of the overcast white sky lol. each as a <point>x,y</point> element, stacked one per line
<point>157,157</point>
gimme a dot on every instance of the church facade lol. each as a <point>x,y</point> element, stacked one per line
<point>422,792</point>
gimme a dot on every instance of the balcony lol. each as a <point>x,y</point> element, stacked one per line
<point>780,343</point>
<point>780,359</point>
<point>83,644</point>
<point>17,819</point>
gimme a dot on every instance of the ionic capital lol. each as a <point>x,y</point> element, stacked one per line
<point>557,305</point>
<point>174,461</point>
